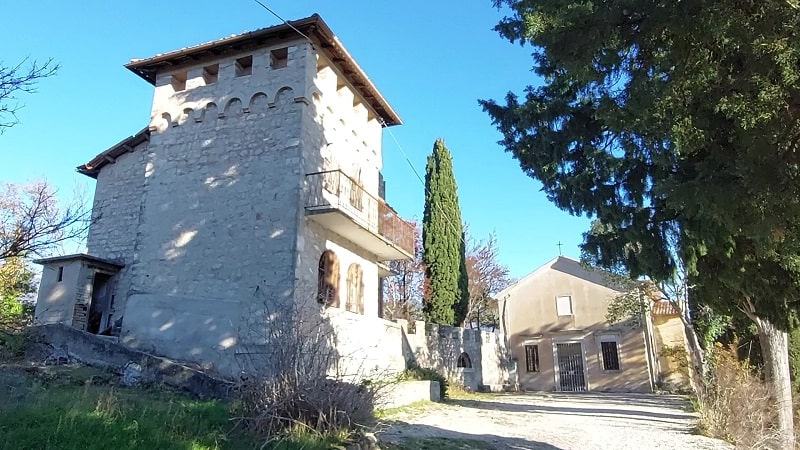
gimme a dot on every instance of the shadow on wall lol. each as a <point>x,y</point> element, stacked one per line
<point>206,243</point>
<point>471,358</point>
<point>293,375</point>
<point>288,338</point>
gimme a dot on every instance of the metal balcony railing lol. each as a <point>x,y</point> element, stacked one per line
<point>334,189</point>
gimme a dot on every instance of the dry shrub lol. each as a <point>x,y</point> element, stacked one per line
<point>269,407</point>
<point>294,380</point>
<point>737,405</point>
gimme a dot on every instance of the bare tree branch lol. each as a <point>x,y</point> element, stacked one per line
<point>21,78</point>
<point>33,223</point>
<point>487,276</point>
<point>403,292</point>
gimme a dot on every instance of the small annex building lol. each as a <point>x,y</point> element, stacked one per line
<point>555,321</point>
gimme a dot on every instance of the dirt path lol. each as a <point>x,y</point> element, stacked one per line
<point>555,422</point>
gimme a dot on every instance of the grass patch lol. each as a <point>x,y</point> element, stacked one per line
<point>414,372</point>
<point>62,407</point>
<point>436,443</point>
<point>304,439</point>
<point>459,393</point>
<point>102,417</point>
<point>417,406</point>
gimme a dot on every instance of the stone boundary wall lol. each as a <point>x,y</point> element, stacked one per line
<point>373,347</point>
<point>101,351</point>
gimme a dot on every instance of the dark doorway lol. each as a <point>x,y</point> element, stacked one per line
<point>100,309</point>
<point>570,367</point>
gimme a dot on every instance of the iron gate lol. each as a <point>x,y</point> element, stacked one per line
<point>570,367</point>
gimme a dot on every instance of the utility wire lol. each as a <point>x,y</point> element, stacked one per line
<point>450,221</point>
<point>403,152</point>
<point>394,138</point>
<point>284,21</point>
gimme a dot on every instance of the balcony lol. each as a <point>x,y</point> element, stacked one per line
<point>340,204</point>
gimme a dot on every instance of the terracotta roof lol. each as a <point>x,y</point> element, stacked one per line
<point>313,27</point>
<point>92,168</point>
<point>664,308</point>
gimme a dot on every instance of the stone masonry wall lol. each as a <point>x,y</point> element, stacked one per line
<point>219,219</point>
<point>116,211</point>
<point>378,348</point>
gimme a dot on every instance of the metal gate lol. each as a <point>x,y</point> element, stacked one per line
<point>570,367</point>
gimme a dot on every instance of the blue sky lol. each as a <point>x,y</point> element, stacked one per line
<point>431,61</point>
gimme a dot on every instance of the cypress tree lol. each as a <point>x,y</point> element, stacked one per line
<point>446,295</point>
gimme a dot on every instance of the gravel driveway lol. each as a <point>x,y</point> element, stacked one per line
<point>556,422</point>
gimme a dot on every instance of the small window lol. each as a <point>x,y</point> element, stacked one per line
<point>211,73</point>
<point>464,361</point>
<point>564,305</point>
<point>279,58</point>
<point>60,274</point>
<point>179,81</point>
<point>610,355</point>
<point>532,358</point>
<point>244,66</point>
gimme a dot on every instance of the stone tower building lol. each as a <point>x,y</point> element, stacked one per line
<point>258,177</point>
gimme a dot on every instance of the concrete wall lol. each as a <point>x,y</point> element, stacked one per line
<point>408,392</point>
<point>673,358</point>
<point>530,317</point>
<point>314,240</point>
<point>56,299</point>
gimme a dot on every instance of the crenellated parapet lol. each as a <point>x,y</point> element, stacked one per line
<point>209,112</point>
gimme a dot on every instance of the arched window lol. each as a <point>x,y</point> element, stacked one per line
<point>464,361</point>
<point>328,279</point>
<point>355,289</point>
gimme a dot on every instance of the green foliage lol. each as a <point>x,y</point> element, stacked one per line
<point>676,126</point>
<point>101,417</point>
<point>415,372</point>
<point>446,297</point>
<point>16,281</point>
<point>65,408</point>
<point>629,308</point>
<point>709,324</point>
<point>794,359</point>
<point>301,438</point>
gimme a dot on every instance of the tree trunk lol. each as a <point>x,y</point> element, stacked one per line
<point>697,369</point>
<point>697,362</point>
<point>775,348</point>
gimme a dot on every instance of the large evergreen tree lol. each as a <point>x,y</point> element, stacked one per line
<point>446,295</point>
<point>676,125</point>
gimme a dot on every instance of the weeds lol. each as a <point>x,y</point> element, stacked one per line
<point>416,373</point>
<point>297,381</point>
<point>102,417</point>
<point>737,405</point>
